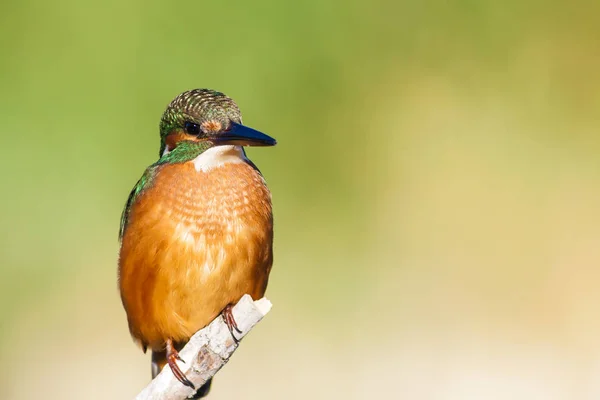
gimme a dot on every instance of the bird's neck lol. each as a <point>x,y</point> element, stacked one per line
<point>183,152</point>
<point>218,156</point>
<point>204,157</point>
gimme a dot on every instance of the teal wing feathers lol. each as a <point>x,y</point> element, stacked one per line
<point>140,186</point>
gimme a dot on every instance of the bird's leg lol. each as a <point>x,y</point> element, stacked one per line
<point>172,357</point>
<point>230,321</point>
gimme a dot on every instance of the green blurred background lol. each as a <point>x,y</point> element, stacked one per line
<point>436,189</point>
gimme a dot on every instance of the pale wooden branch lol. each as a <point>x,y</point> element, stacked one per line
<point>206,352</point>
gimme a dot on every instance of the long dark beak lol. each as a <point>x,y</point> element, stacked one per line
<point>243,136</point>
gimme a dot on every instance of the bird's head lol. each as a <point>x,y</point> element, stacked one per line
<point>208,116</point>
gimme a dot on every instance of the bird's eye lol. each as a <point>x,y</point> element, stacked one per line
<point>191,128</point>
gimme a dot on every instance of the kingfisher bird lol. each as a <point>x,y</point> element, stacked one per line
<point>196,233</point>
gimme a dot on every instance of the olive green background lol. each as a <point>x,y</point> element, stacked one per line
<point>436,189</point>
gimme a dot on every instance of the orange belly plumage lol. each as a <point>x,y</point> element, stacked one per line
<point>195,242</point>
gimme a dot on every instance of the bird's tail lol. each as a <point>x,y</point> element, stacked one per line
<point>159,360</point>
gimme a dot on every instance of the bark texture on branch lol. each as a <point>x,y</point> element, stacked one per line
<point>206,352</point>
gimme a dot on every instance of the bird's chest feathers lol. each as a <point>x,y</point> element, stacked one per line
<point>208,213</point>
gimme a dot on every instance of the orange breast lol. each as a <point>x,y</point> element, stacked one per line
<point>195,242</point>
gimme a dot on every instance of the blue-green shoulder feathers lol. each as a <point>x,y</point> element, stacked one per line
<point>140,186</point>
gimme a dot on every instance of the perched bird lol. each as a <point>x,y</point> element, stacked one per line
<point>197,229</point>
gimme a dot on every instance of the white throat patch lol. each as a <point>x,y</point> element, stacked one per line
<point>217,156</point>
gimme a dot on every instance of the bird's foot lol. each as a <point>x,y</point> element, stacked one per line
<point>172,358</point>
<point>230,321</point>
